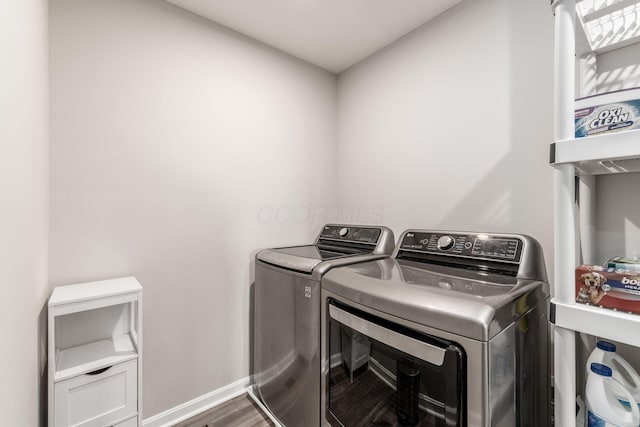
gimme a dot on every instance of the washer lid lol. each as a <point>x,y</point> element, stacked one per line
<point>310,251</point>
<point>299,258</point>
<point>336,245</point>
<point>472,304</point>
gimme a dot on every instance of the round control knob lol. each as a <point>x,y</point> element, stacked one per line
<point>445,242</point>
<point>343,231</point>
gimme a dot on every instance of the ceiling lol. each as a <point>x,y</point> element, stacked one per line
<point>333,34</point>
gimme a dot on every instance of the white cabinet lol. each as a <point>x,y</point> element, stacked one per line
<point>580,37</point>
<point>102,397</point>
<point>95,354</point>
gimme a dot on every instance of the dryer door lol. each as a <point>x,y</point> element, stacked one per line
<point>384,374</point>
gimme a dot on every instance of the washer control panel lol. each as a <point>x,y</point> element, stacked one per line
<point>483,246</point>
<point>350,233</point>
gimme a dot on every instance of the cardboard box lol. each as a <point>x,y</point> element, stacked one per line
<point>608,112</point>
<point>608,288</point>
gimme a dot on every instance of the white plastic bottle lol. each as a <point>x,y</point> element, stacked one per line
<point>603,407</point>
<point>623,372</point>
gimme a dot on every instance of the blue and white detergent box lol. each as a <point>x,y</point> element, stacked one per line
<point>608,112</point>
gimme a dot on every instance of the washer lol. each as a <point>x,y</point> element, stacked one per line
<point>451,331</point>
<point>286,350</point>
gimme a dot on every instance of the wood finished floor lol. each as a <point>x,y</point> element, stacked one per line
<point>239,411</point>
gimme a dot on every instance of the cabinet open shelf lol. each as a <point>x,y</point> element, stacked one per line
<point>92,356</point>
<point>95,354</point>
<point>600,322</point>
<point>617,152</point>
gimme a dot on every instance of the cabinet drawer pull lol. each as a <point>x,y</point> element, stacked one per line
<point>99,371</point>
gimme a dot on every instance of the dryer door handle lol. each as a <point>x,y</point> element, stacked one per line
<point>420,349</point>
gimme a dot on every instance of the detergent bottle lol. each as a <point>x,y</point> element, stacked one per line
<point>623,372</point>
<point>603,407</point>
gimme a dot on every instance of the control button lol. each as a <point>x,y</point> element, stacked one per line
<point>343,231</point>
<point>444,284</point>
<point>445,242</point>
<point>468,245</point>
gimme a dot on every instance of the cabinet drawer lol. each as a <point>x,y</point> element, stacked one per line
<point>99,399</point>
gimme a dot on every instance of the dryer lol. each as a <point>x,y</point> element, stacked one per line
<point>286,352</point>
<point>451,331</point>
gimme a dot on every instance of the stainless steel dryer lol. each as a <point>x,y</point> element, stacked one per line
<point>451,331</point>
<point>287,316</point>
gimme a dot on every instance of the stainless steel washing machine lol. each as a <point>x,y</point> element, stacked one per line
<point>286,357</point>
<point>450,331</point>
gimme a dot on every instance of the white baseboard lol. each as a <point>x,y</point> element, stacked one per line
<point>199,404</point>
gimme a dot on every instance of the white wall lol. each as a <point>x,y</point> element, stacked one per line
<point>618,69</point>
<point>175,142</point>
<point>449,128</point>
<point>617,216</point>
<point>24,128</point>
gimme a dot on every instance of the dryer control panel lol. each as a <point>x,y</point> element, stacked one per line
<point>482,246</point>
